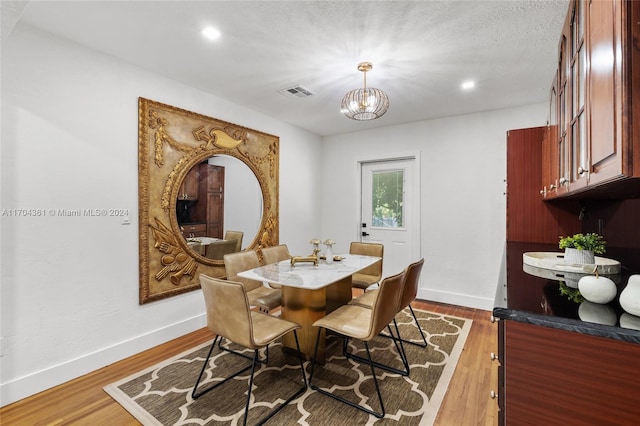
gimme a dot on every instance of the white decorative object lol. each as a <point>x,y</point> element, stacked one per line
<point>574,256</point>
<point>597,289</point>
<point>555,261</point>
<point>329,254</point>
<point>629,321</point>
<point>630,296</point>
<point>597,313</point>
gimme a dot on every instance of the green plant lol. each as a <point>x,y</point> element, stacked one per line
<point>592,242</point>
<point>572,294</point>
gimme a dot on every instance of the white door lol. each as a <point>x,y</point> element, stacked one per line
<point>390,211</point>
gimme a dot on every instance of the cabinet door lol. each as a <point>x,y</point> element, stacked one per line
<point>189,187</point>
<point>215,214</point>
<point>605,90</point>
<point>564,378</point>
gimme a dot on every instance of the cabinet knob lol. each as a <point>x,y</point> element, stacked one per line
<point>493,395</point>
<point>581,170</point>
<point>493,319</point>
<point>552,187</point>
<point>493,356</point>
<point>563,181</point>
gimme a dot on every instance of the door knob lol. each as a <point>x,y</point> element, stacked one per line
<point>365,234</point>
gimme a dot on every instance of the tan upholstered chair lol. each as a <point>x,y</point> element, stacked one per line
<point>217,249</point>
<point>409,293</point>
<point>265,298</point>
<point>361,323</point>
<point>229,316</point>
<point>371,274</point>
<point>275,254</point>
<point>237,236</point>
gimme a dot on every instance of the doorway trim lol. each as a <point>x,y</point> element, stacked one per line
<point>416,228</point>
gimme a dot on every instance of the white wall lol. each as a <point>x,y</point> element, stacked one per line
<point>69,296</point>
<point>463,167</point>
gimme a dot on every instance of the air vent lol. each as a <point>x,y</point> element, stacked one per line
<point>297,91</point>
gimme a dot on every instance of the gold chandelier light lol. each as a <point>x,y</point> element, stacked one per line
<point>367,103</point>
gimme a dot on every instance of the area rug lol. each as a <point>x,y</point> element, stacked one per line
<point>161,394</point>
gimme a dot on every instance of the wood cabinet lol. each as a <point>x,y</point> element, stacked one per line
<point>189,186</point>
<point>596,82</point>
<point>210,207</point>
<point>557,377</point>
<point>194,230</point>
<point>528,218</point>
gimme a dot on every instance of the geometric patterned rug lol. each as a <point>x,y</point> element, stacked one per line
<point>161,394</point>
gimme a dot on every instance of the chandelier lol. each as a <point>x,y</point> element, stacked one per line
<point>367,103</point>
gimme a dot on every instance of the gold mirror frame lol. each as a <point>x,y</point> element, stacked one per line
<point>170,142</point>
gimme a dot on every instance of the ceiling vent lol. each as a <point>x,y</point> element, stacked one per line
<point>296,91</point>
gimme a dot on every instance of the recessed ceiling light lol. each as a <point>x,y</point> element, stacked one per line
<point>468,85</point>
<point>211,33</point>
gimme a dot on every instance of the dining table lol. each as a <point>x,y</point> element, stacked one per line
<point>309,292</point>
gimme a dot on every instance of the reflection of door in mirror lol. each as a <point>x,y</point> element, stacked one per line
<point>205,210</point>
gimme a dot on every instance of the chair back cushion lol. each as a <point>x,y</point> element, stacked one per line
<point>242,261</point>
<point>237,237</point>
<point>385,306</point>
<point>369,249</point>
<point>412,280</point>
<point>275,254</point>
<point>217,249</point>
<point>228,313</point>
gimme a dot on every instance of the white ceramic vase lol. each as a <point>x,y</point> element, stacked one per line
<point>574,256</point>
<point>630,296</point>
<point>597,289</point>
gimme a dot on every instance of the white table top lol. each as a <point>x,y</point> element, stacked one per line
<point>306,275</point>
<point>205,241</point>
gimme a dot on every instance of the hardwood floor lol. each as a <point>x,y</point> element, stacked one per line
<point>83,402</point>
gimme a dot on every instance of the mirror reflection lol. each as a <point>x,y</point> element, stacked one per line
<point>219,207</point>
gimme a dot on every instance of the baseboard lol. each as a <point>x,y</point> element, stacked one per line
<point>55,375</point>
<point>456,299</point>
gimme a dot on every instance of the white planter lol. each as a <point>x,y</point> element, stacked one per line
<point>579,257</point>
<point>630,296</point>
<point>597,289</point>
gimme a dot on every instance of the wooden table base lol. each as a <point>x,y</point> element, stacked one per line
<point>307,306</point>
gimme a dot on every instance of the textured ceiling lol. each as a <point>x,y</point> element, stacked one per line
<point>421,51</point>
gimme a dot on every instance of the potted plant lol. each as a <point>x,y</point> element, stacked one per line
<point>582,248</point>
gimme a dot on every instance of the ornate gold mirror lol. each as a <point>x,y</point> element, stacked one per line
<point>206,188</point>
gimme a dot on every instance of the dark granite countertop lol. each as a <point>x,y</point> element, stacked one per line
<point>525,297</point>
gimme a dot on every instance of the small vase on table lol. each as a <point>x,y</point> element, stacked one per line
<point>329,253</point>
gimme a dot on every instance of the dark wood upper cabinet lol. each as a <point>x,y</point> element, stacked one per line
<point>597,146</point>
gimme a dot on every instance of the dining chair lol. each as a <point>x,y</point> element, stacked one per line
<point>409,294</point>
<point>265,298</point>
<point>371,274</point>
<point>364,324</point>
<point>237,236</point>
<point>229,315</point>
<point>275,254</point>
<point>217,249</point>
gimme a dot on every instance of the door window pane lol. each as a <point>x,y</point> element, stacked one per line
<point>388,199</point>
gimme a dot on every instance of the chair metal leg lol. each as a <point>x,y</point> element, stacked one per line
<point>254,362</point>
<point>424,339</point>
<point>263,361</point>
<point>195,394</point>
<point>295,395</point>
<point>399,348</point>
<point>343,400</point>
